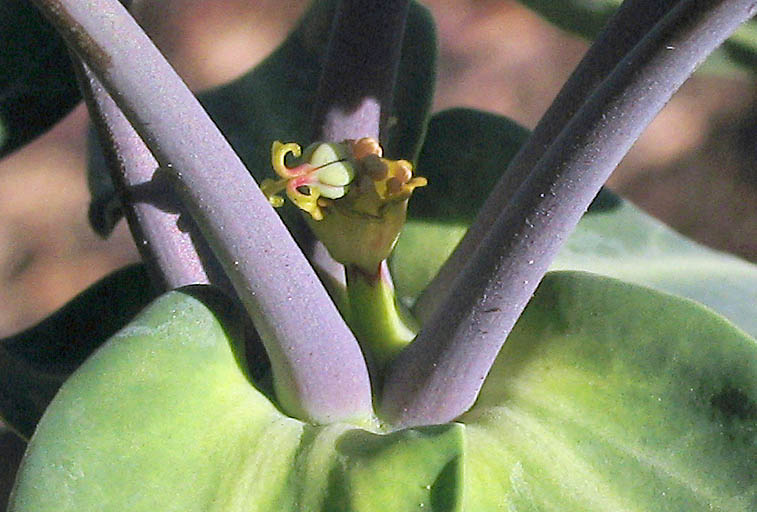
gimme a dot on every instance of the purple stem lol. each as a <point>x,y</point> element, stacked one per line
<point>168,251</point>
<point>440,374</point>
<point>319,371</point>
<point>357,85</point>
<point>631,21</point>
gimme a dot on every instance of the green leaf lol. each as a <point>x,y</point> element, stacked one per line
<point>582,17</point>
<point>274,100</point>
<point>11,449</point>
<point>35,362</point>
<point>37,86</point>
<point>610,396</point>
<point>630,245</point>
<point>164,417</point>
<point>621,242</point>
<point>423,247</point>
<point>741,47</point>
<point>463,155</point>
<point>607,396</point>
<point>414,91</point>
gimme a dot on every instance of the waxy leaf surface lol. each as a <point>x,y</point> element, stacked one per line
<point>607,396</point>
<point>610,396</point>
<point>35,362</point>
<point>163,417</point>
<point>466,151</point>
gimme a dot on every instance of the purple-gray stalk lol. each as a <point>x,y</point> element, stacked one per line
<point>632,20</point>
<point>297,321</point>
<point>438,377</point>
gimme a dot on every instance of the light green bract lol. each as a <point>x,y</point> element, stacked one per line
<point>607,396</point>
<point>164,418</point>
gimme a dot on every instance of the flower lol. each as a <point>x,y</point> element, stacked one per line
<point>326,173</point>
<point>356,199</point>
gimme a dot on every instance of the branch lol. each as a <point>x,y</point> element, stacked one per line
<point>356,89</point>
<point>357,85</point>
<point>319,371</point>
<point>440,374</point>
<point>631,21</point>
<point>168,252</point>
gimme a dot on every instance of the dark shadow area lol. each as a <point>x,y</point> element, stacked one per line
<point>11,450</point>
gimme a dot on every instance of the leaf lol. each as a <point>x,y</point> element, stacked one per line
<point>463,155</point>
<point>610,396</point>
<point>11,450</point>
<point>273,101</point>
<point>35,362</point>
<point>163,417</point>
<point>623,243</point>
<point>37,86</point>
<point>632,246</point>
<point>414,91</point>
<point>582,17</point>
<point>741,47</point>
<point>607,396</point>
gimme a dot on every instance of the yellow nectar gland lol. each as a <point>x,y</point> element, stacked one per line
<point>325,175</point>
<point>328,170</point>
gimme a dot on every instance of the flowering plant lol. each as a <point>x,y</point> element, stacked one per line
<point>280,369</point>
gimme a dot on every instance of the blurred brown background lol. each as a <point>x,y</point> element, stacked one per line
<point>694,168</point>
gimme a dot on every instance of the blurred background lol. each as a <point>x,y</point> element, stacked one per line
<point>694,168</point>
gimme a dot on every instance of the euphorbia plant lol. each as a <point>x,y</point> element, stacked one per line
<point>606,395</point>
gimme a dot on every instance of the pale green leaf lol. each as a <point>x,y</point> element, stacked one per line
<point>164,418</point>
<point>610,396</point>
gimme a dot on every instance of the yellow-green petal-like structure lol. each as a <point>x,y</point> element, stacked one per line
<point>355,198</point>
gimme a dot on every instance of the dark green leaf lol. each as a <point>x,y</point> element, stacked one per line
<point>414,92</point>
<point>35,362</point>
<point>583,17</point>
<point>464,154</point>
<point>742,46</point>
<point>37,86</point>
<point>11,449</point>
<point>615,239</point>
<point>273,101</point>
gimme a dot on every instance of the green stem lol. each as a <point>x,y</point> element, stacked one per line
<point>379,323</point>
